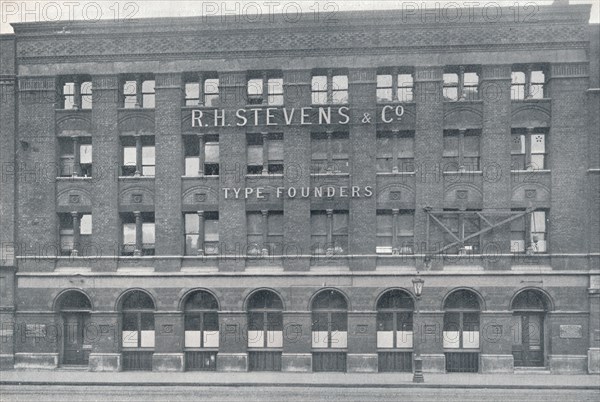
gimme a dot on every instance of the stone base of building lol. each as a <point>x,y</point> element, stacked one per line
<point>232,362</point>
<point>434,363</point>
<point>296,362</point>
<point>7,362</point>
<point>497,364</point>
<point>594,360</point>
<point>568,364</point>
<point>362,363</point>
<point>105,362</point>
<point>44,361</point>
<point>168,362</point>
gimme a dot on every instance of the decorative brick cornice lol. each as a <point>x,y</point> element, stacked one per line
<point>496,72</point>
<point>168,81</point>
<point>37,84</point>
<point>569,70</point>
<point>431,73</point>
<point>362,75</point>
<point>6,79</point>
<point>105,82</point>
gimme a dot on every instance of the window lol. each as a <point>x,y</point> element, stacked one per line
<point>265,320</point>
<point>265,88</point>
<point>138,91</point>
<point>201,155</point>
<point>138,156</point>
<point>75,156</point>
<point>329,87</point>
<point>329,152</point>
<point>395,320</point>
<point>461,320</point>
<point>76,92</point>
<point>395,151</point>
<point>329,232</point>
<point>201,89</point>
<point>265,232</point>
<point>528,149</point>
<point>395,231</point>
<point>138,234</point>
<point>528,82</point>
<point>461,83</point>
<point>463,225</point>
<point>329,320</point>
<point>529,233</point>
<point>461,150</point>
<point>265,153</point>
<point>202,233</point>
<point>395,85</point>
<point>138,320</point>
<point>75,233</point>
<point>201,321</point>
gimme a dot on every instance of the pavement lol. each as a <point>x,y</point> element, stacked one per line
<point>285,379</point>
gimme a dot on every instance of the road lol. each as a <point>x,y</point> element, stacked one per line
<point>287,394</point>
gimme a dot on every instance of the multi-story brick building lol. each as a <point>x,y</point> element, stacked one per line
<point>199,194</point>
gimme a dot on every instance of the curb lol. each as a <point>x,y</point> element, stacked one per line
<point>307,385</point>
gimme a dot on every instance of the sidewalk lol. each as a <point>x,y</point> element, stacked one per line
<point>349,380</point>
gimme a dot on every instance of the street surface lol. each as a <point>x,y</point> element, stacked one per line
<point>29,393</point>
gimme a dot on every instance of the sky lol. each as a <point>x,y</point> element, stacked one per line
<point>12,11</point>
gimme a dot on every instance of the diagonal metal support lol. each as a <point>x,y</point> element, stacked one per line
<point>512,217</point>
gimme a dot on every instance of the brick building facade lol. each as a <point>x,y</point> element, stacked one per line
<point>193,194</point>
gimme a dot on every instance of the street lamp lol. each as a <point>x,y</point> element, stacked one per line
<point>418,373</point>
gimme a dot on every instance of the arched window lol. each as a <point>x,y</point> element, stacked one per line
<point>201,338</point>
<point>461,320</point>
<point>265,331</point>
<point>74,300</point>
<point>395,331</point>
<point>529,310</point>
<point>138,320</point>
<point>201,321</point>
<point>461,331</point>
<point>329,331</point>
<point>265,320</point>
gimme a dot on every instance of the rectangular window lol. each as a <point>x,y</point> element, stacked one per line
<point>329,87</point>
<point>265,153</point>
<point>201,154</point>
<point>330,152</point>
<point>265,88</point>
<point>138,233</point>
<point>528,149</point>
<point>74,232</point>
<point>75,156</point>
<point>395,232</point>
<point>329,232</point>
<point>395,151</point>
<point>463,227</point>
<point>76,92</point>
<point>138,156</point>
<point>201,233</point>
<point>201,89</point>
<point>265,232</point>
<point>528,82</point>
<point>461,150</point>
<point>394,85</point>
<point>529,233</point>
<point>461,83</point>
<point>137,91</point>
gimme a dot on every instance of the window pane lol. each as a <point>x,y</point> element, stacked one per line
<point>211,86</point>
<point>538,221</point>
<point>192,92</point>
<point>538,77</point>
<point>384,224</point>
<point>129,233</point>
<point>518,144</point>
<point>319,98</point>
<point>275,150</point>
<point>384,81</point>
<point>86,95</point>
<point>538,144</point>
<point>275,223</point>
<point>471,79</point>
<point>340,96</point>
<point>384,95</point>
<point>471,145</point>
<point>148,233</point>
<point>148,156</point>
<point>192,166</point>
<point>85,154</point>
<point>406,146</point>
<point>340,82</point>
<point>129,156</point>
<point>318,223</point>
<point>211,230</point>
<point>255,87</point>
<point>85,225</point>
<point>148,86</point>
<point>255,155</point>
<point>192,222</point>
<point>254,223</point>
<point>211,152</point>
<point>450,144</point>
<point>275,86</point>
<point>340,223</point>
<point>319,83</point>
